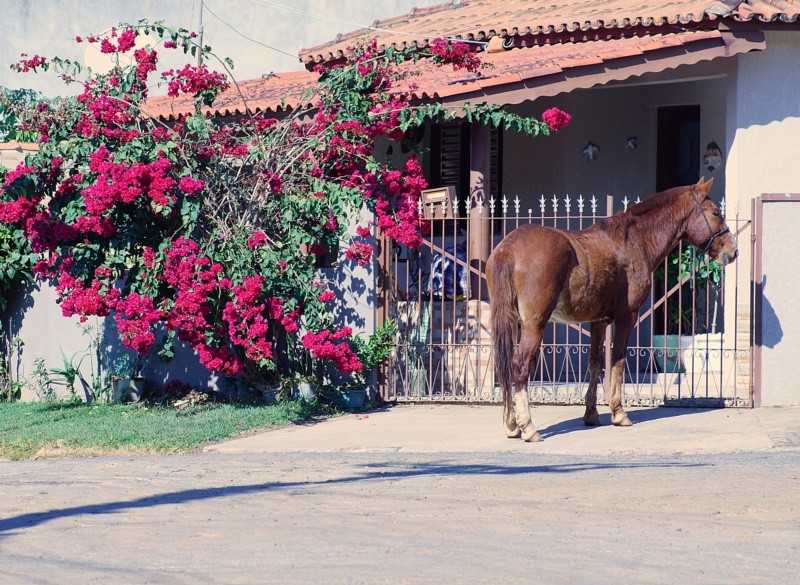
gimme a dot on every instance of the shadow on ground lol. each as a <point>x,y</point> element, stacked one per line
<point>636,416</point>
<point>380,472</point>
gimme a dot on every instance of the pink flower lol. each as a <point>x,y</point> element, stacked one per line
<point>326,296</point>
<point>190,186</point>
<point>127,40</point>
<point>457,54</point>
<point>107,46</point>
<point>556,119</point>
<point>361,253</point>
<point>257,240</point>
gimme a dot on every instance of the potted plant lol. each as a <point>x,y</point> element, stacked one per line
<point>127,382</point>
<point>416,366</point>
<point>371,353</point>
<point>700,321</point>
<point>691,310</point>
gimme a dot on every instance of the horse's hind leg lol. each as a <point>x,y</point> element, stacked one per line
<point>591,417</point>
<point>529,342</point>
<point>510,422</point>
<point>622,329</point>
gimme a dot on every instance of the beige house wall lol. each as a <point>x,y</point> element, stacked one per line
<point>763,142</point>
<point>780,330</point>
<point>607,116</point>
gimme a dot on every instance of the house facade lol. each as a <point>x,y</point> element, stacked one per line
<point>660,94</point>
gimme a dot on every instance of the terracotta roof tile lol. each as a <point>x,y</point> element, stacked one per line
<point>285,92</point>
<point>282,92</point>
<point>482,19</point>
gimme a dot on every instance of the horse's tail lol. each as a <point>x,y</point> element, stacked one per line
<point>505,319</point>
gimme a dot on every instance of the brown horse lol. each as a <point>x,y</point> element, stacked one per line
<point>602,275</point>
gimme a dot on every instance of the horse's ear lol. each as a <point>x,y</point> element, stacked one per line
<point>703,187</point>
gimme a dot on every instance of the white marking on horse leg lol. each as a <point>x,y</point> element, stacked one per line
<point>618,416</point>
<point>510,421</point>
<point>523,409</point>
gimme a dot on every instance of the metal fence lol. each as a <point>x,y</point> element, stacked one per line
<point>692,344</point>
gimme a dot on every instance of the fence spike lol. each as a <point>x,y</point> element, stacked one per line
<point>638,200</point>
<point>594,205</point>
<point>580,204</point>
<point>480,205</point>
<point>555,203</point>
<point>504,205</point>
<point>455,207</point>
<point>625,202</point>
<point>567,204</point>
<point>516,204</point>
<point>722,207</point>
<point>491,206</point>
<point>542,203</point>
<point>420,206</point>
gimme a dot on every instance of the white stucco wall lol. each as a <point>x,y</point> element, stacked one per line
<point>780,368</point>
<point>607,117</point>
<point>764,121</point>
<point>763,145</point>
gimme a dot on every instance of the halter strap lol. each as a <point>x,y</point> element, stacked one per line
<point>714,235</point>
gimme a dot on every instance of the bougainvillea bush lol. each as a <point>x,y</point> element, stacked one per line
<point>205,229</point>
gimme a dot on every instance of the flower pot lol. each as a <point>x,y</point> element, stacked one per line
<point>702,353</point>
<point>350,398</point>
<point>416,382</point>
<point>667,353</point>
<point>127,389</point>
<point>305,391</point>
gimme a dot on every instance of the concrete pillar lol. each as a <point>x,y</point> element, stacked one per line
<point>478,245</point>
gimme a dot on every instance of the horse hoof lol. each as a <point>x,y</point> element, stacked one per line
<point>533,437</point>
<point>623,422</point>
<point>515,434</point>
<point>592,421</point>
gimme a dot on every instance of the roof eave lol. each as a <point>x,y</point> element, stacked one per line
<point>732,42</point>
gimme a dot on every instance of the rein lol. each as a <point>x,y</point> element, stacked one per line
<point>714,235</point>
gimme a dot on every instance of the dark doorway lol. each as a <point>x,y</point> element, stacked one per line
<point>678,146</point>
<point>678,163</point>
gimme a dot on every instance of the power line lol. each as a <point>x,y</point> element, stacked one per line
<point>241,34</point>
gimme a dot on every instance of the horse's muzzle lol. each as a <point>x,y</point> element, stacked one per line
<point>727,258</point>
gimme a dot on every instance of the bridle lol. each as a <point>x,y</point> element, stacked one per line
<point>714,235</point>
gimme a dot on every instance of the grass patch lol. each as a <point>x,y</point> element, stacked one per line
<point>38,430</point>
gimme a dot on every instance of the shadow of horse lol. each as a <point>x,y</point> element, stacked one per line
<point>642,416</point>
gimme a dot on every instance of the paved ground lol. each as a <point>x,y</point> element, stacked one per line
<point>425,494</point>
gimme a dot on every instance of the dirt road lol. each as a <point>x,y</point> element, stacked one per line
<point>402,518</point>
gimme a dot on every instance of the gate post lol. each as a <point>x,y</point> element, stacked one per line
<point>479,246</point>
<point>609,332</point>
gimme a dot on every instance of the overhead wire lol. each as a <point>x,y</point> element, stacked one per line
<point>241,34</point>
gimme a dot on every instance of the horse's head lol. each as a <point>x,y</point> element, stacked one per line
<point>706,228</point>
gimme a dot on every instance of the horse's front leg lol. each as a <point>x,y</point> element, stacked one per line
<point>591,417</point>
<point>529,342</point>
<point>622,330</point>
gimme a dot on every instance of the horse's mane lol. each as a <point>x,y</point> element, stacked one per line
<point>648,213</point>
